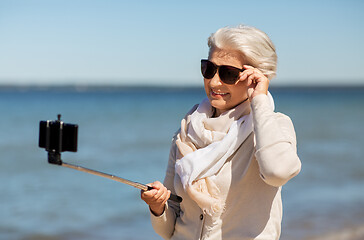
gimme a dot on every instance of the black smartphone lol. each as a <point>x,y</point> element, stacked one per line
<point>58,136</point>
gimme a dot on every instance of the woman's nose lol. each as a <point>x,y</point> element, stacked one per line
<point>215,81</point>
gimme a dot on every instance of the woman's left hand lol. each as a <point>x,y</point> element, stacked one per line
<point>256,81</point>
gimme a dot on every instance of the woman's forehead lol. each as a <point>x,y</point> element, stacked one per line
<point>225,55</point>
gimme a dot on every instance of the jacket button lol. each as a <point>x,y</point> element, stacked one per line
<point>201,217</point>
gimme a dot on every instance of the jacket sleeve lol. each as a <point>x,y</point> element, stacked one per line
<point>164,224</point>
<point>276,150</point>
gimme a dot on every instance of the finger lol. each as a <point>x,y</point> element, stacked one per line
<point>256,70</point>
<point>251,70</point>
<point>257,77</point>
<point>151,192</point>
<point>157,185</point>
<point>245,74</point>
<point>161,197</point>
<point>166,197</point>
<point>241,78</point>
<point>260,77</point>
<point>262,81</point>
<point>250,92</point>
<point>247,67</point>
<point>148,195</point>
<point>150,185</point>
<point>251,79</point>
<point>157,197</point>
<point>159,194</point>
<point>154,199</point>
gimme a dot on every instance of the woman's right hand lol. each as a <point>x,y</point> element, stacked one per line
<point>156,197</point>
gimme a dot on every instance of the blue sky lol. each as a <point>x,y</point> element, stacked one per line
<point>162,42</point>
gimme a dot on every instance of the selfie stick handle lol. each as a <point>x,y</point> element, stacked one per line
<point>141,186</point>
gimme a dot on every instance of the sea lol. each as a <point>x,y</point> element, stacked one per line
<point>127,132</point>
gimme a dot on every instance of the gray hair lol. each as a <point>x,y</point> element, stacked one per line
<point>254,45</point>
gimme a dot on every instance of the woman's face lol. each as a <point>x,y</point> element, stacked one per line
<point>223,96</point>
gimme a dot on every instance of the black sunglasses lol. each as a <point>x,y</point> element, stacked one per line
<point>227,74</point>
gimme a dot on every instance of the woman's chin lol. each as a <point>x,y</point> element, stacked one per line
<point>219,104</point>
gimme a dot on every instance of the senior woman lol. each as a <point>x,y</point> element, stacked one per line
<point>233,153</point>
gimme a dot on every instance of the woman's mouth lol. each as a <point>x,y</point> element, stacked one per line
<point>215,93</point>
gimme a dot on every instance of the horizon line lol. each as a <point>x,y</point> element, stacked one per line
<point>119,86</point>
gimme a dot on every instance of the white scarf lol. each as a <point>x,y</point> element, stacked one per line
<point>205,150</point>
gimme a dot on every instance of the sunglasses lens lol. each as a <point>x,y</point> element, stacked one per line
<point>228,75</point>
<point>208,69</point>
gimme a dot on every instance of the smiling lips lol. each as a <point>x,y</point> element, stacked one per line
<point>214,93</point>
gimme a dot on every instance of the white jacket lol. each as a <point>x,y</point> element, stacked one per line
<point>250,181</point>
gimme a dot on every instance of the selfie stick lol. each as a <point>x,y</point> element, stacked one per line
<point>55,158</point>
<point>118,179</point>
<point>51,137</point>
